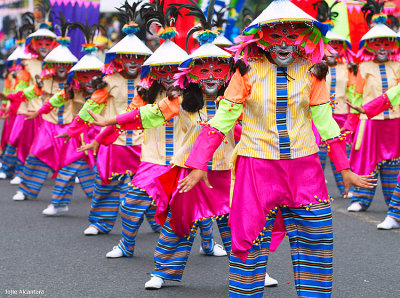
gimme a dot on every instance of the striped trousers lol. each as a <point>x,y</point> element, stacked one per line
<point>388,171</point>
<point>65,181</point>
<point>11,164</point>
<point>323,155</point>
<point>106,200</point>
<point>310,235</point>
<point>172,251</point>
<point>394,205</point>
<point>134,207</point>
<point>33,176</point>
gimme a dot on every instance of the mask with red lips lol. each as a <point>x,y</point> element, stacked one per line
<point>165,75</point>
<point>381,48</point>
<point>281,41</point>
<point>43,46</point>
<point>210,75</point>
<point>61,70</point>
<point>131,63</point>
<point>86,78</point>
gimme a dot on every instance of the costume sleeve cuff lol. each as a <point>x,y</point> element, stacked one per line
<point>77,127</point>
<point>130,120</point>
<point>46,108</point>
<point>203,150</point>
<point>377,106</point>
<point>169,108</point>
<point>337,153</point>
<point>238,132</point>
<point>351,122</point>
<point>108,135</point>
<point>17,97</point>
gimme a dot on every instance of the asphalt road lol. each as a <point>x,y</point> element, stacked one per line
<point>52,256</point>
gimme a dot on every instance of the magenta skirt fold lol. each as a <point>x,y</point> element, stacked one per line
<point>23,135</point>
<point>200,202</point>
<point>145,178</point>
<point>5,134</point>
<point>56,153</point>
<point>117,160</point>
<point>262,185</point>
<point>380,142</point>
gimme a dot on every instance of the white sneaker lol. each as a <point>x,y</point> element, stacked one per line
<point>350,195</point>
<point>388,224</point>
<point>355,207</point>
<point>77,180</point>
<point>16,180</point>
<point>115,253</point>
<point>53,210</point>
<point>3,176</point>
<point>91,231</point>
<point>155,283</point>
<point>269,281</point>
<point>19,196</point>
<point>218,251</point>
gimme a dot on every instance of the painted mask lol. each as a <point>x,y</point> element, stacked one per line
<point>280,41</point>
<point>61,69</point>
<point>86,79</point>
<point>381,48</point>
<point>131,63</point>
<point>210,75</point>
<point>43,46</point>
<point>165,75</point>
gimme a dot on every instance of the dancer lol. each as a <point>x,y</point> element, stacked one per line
<point>203,76</point>
<point>338,80</point>
<point>373,149</point>
<point>116,161</point>
<point>278,176</point>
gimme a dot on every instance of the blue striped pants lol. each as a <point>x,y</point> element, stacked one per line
<point>388,171</point>
<point>134,207</point>
<point>106,200</point>
<point>394,205</point>
<point>323,155</point>
<point>172,252</point>
<point>310,235</point>
<point>11,164</point>
<point>65,181</point>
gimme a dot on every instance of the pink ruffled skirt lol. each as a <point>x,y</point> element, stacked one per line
<point>7,128</point>
<point>262,185</point>
<point>117,160</point>
<point>200,202</point>
<point>380,142</point>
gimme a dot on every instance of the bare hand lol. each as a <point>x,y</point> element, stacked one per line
<point>3,96</point>
<point>62,136</point>
<point>97,119</point>
<point>357,108</point>
<point>192,179</point>
<point>351,179</point>
<point>92,146</point>
<point>31,115</point>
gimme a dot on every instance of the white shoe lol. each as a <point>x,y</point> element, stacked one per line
<point>388,224</point>
<point>349,195</point>
<point>355,207</point>
<point>218,251</point>
<point>115,253</point>
<point>77,180</point>
<point>3,175</point>
<point>91,231</point>
<point>19,196</point>
<point>155,283</point>
<point>16,180</point>
<point>53,210</point>
<point>269,281</point>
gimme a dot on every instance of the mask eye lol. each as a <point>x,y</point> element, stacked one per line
<point>162,71</point>
<point>204,70</point>
<point>218,70</point>
<point>275,36</point>
<point>293,36</point>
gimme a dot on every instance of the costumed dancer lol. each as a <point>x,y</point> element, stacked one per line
<point>339,80</point>
<point>118,161</point>
<point>46,152</point>
<point>57,112</point>
<point>17,76</point>
<point>203,77</point>
<point>158,147</point>
<point>278,176</point>
<point>23,134</point>
<point>373,149</point>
